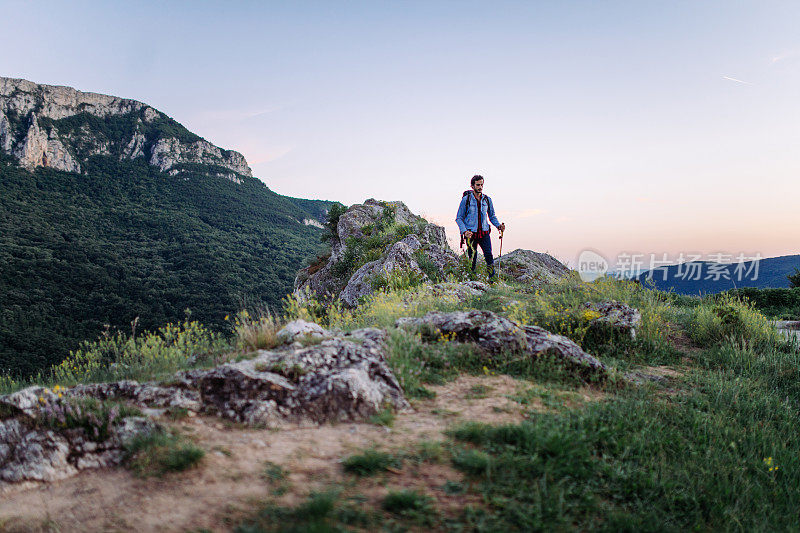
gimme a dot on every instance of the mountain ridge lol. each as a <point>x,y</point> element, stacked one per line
<point>708,277</point>
<point>112,212</point>
<point>56,126</point>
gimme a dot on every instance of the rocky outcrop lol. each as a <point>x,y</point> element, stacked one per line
<point>400,256</point>
<point>24,105</point>
<point>168,152</point>
<point>423,250</point>
<point>44,149</point>
<point>6,135</point>
<point>343,378</point>
<point>337,377</point>
<point>496,334</point>
<point>620,317</point>
<point>533,268</point>
<point>45,436</point>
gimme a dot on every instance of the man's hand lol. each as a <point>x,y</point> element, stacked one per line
<point>503,227</point>
<point>468,234</point>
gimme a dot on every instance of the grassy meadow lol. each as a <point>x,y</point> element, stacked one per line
<point>714,446</point>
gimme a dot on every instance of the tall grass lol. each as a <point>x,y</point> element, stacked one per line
<point>725,316</point>
<point>257,331</point>
<point>117,356</point>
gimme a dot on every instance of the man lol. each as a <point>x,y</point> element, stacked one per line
<point>474,213</point>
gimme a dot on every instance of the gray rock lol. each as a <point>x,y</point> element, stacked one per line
<point>298,330</point>
<point>180,393</point>
<point>496,334</point>
<point>617,315</point>
<point>531,267</point>
<point>336,380</point>
<point>32,452</point>
<point>427,244</point>
<point>460,291</point>
<point>6,135</point>
<point>32,455</point>
<point>399,257</point>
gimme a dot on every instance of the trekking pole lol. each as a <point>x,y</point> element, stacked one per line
<point>501,254</point>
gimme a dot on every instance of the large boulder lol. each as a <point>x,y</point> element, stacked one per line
<point>531,267</point>
<point>400,256</point>
<point>496,334</point>
<point>343,378</point>
<point>419,250</point>
<point>617,316</point>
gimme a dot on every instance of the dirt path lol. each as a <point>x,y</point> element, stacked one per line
<point>231,475</point>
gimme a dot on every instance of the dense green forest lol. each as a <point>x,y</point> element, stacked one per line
<point>124,240</point>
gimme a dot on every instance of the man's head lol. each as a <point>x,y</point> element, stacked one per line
<point>477,183</point>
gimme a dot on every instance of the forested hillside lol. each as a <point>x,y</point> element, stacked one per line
<point>125,240</point>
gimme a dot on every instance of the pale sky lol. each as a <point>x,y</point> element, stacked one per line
<point>649,127</point>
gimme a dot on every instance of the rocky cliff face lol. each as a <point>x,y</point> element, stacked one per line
<point>60,127</point>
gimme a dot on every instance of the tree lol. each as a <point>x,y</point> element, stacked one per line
<point>794,279</point>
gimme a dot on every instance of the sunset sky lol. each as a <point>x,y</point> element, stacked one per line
<point>650,127</point>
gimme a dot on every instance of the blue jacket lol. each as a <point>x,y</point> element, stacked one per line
<point>471,221</point>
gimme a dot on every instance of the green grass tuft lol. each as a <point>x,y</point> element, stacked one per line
<point>370,463</point>
<point>161,452</point>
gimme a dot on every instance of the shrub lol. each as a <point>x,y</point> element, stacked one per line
<point>381,309</point>
<point>778,303</point>
<point>330,233</point>
<point>794,279</point>
<point>724,317</point>
<point>116,356</point>
<point>427,266</point>
<point>306,306</point>
<point>256,332</point>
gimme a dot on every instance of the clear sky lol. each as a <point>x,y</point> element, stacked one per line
<point>650,127</point>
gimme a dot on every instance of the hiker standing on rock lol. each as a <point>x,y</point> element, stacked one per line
<point>474,213</point>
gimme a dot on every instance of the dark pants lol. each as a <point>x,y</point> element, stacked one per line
<point>485,243</point>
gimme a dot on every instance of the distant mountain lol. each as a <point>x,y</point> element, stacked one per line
<point>110,210</point>
<point>705,277</point>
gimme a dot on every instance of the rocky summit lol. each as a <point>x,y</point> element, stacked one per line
<point>388,231</point>
<point>376,239</point>
<point>56,127</point>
